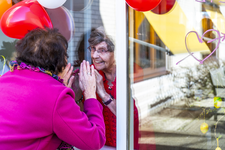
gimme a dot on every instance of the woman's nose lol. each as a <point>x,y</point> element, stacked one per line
<point>95,54</point>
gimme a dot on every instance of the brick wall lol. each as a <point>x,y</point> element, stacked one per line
<point>99,13</point>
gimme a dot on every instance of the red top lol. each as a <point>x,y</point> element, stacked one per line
<point>110,118</point>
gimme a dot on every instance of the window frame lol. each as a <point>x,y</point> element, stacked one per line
<point>124,117</point>
<point>151,71</point>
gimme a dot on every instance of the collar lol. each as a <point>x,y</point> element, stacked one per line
<point>14,65</point>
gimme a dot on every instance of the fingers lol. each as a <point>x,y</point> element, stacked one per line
<point>81,70</point>
<point>64,71</point>
<point>68,72</point>
<point>92,71</point>
<point>86,71</point>
<point>87,81</point>
<point>67,68</point>
<point>84,68</point>
<point>88,68</point>
<point>86,74</point>
<point>93,75</point>
<point>80,82</point>
<point>82,75</point>
<point>70,82</point>
<point>96,73</point>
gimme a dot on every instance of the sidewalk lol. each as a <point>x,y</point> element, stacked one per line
<point>177,127</point>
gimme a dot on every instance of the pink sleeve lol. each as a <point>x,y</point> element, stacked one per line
<point>84,130</point>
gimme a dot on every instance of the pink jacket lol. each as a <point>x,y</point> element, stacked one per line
<point>37,113</point>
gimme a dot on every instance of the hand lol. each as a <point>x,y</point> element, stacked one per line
<point>99,84</point>
<point>66,75</point>
<point>87,80</point>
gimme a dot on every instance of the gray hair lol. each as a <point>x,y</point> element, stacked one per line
<point>98,35</point>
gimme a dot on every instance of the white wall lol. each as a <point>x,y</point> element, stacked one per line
<point>108,12</point>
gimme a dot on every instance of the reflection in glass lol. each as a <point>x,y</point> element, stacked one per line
<point>90,16</point>
<point>87,15</point>
<point>181,106</point>
<point>151,58</point>
<point>8,51</point>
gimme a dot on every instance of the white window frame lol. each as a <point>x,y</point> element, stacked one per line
<point>124,118</point>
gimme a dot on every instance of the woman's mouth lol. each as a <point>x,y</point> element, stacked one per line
<point>98,62</point>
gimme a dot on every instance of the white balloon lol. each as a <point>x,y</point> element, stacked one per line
<point>51,4</point>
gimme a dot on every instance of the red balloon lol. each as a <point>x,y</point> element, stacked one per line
<point>143,5</point>
<point>164,7</point>
<point>26,15</point>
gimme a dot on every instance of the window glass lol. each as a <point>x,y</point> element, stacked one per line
<point>76,20</point>
<point>89,16</point>
<point>150,60</point>
<point>7,52</point>
<point>178,74</point>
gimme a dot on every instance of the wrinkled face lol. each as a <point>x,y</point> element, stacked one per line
<point>101,57</point>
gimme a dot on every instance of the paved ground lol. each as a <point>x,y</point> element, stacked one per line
<point>177,127</point>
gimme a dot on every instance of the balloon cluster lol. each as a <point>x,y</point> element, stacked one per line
<point>17,20</point>
<point>156,6</point>
<point>143,5</point>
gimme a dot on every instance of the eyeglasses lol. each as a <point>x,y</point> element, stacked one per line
<point>92,49</point>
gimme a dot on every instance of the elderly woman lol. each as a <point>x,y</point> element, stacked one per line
<point>37,108</point>
<point>102,54</point>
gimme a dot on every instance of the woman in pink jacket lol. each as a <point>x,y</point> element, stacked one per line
<point>37,107</point>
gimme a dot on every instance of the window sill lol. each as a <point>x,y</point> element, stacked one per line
<point>149,73</point>
<point>108,148</point>
<point>103,148</point>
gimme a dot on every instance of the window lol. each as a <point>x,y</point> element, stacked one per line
<point>208,24</point>
<point>181,109</point>
<point>148,60</point>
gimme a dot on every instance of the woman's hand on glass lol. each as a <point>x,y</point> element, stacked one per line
<point>87,80</point>
<point>66,75</point>
<point>99,84</point>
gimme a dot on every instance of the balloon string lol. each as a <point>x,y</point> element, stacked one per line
<point>89,4</point>
<point>204,114</point>
<point>3,65</point>
<point>216,126</point>
<point>217,142</point>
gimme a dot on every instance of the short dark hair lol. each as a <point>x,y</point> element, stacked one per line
<point>45,48</point>
<point>97,36</point>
